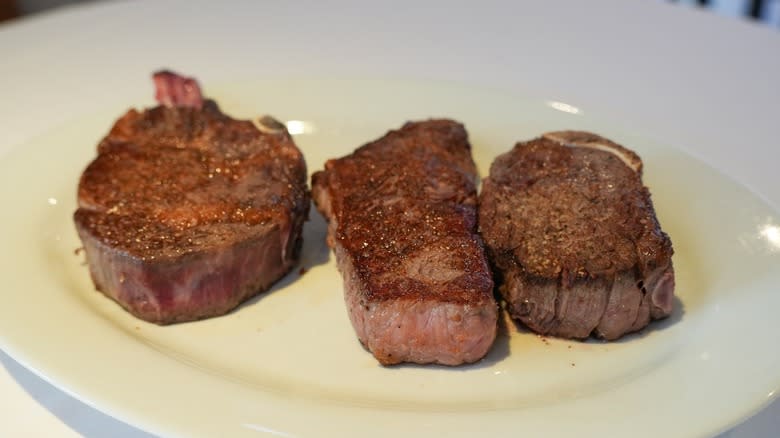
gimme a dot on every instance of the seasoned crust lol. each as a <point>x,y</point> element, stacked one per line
<point>185,212</point>
<point>402,224</point>
<point>175,180</point>
<point>405,199</point>
<point>574,238</point>
<point>570,212</point>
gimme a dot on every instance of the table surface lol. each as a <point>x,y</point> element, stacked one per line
<point>695,43</point>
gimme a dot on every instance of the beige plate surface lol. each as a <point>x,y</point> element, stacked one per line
<point>287,363</point>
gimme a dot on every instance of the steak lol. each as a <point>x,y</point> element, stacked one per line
<point>573,236</point>
<point>402,223</point>
<point>185,213</point>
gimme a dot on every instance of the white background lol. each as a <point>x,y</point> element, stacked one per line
<point>707,84</point>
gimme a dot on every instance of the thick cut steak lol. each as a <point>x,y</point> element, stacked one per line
<point>573,236</point>
<point>402,222</point>
<point>185,212</point>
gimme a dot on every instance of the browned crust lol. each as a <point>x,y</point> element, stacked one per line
<point>186,212</point>
<point>569,213</point>
<point>163,177</point>
<point>573,234</point>
<point>419,197</point>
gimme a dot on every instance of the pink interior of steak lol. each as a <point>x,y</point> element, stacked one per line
<point>195,286</point>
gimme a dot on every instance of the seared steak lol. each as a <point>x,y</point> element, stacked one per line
<point>572,233</point>
<point>185,212</point>
<point>402,223</point>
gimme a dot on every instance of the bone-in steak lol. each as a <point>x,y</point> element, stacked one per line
<point>186,212</point>
<point>402,223</point>
<point>574,238</point>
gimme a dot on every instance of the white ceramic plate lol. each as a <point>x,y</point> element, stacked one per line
<point>288,364</point>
